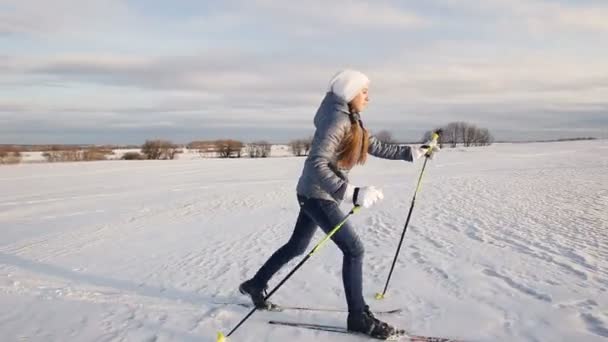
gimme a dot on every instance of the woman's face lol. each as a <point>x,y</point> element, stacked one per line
<point>360,101</point>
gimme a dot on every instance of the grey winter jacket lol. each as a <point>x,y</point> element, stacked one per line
<point>321,177</point>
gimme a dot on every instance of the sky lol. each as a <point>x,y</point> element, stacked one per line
<point>123,71</point>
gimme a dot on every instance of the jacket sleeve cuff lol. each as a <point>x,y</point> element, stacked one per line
<point>409,154</point>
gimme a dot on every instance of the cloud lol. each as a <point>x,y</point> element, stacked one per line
<point>342,15</point>
<point>202,91</point>
<point>538,16</point>
<point>113,17</point>
<point>310,19</point>
<point>61,16</point>
<point>545,19</point>
<point>592,19</point>
<point>220,77</point>
<point>11,107</point>
<point>240,72</point>
<point>266,63</point>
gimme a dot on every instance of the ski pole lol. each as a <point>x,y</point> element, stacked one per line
<point>220,335</point>
<point>407,221</point>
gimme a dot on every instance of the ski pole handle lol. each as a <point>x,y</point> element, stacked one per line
<point>430,146</point>
<point>435,137</point>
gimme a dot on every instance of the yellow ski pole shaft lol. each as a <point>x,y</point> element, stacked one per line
<point>222,338</point>
<point>407,222</point>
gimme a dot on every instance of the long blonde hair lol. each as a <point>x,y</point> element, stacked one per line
<point>353,149</point>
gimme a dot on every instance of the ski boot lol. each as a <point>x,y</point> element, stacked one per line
<point>366,323</point>
<point>258,296</point>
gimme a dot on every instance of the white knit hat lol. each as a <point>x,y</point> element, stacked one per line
<point>347,84</point>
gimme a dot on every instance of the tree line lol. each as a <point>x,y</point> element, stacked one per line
<point>159,149</point>
<point>463,133</point>
<point>453,134</point>
<point>222,148</point>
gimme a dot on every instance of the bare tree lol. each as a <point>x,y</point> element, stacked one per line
<point>307,144</point>
<point>70,153</point>
<point>229,148</point>
<point>159,149</point>
<point>133,156</point>
<point>470,132</point>
<point>10,155</point>
<point>484,138</point>
<point>251,150</point>
<point>462,133</point>
<point>259,149</point>
<point>301,147</point>
<point>265,148</point>
<point>204,148</point>
<point>450,134</point>
<point>96,154</point>
<point>296,147</point>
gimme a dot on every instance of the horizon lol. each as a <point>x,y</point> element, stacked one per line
<point>280,143</point>
<point>123,71</point>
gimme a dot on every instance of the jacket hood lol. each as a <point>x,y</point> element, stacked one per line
<point>331,103</point>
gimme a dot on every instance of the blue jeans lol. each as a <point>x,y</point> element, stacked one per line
<point>325,214</point>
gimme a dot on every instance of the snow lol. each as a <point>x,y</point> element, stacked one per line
<point>506,243</point>
<point>32,157</point>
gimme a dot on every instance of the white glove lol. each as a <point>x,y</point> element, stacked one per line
<point>428,149</point>
<point>364,196</point>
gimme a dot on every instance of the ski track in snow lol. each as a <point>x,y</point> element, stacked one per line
<point>505,243</point>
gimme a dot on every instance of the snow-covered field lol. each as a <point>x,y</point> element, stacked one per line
<point>506,243</point>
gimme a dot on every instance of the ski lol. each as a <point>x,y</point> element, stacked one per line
<point>279,308</point>
<point>402,336</point>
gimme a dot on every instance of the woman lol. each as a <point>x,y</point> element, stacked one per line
<point>340,142</point>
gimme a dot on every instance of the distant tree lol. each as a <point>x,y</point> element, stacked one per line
<point>258,149</point>
<point>96,154</point>
<point>159,149</point>
<point>9,155</point>
<point>451,132</point>
<point>483,138</point>
<point>301,147</point>
<point>204,148</point>
<point>295,148</point>
<point>133,156</point>
<point>61,153</point>
<point>467,134</point>
<point>229,148</point>
<point>72,153</point>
